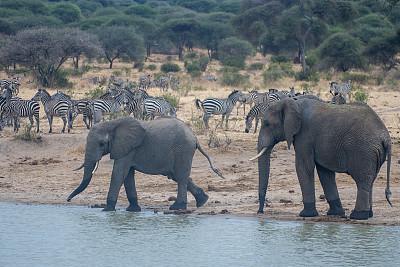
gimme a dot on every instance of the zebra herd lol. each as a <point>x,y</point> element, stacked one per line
<point>147,83</point>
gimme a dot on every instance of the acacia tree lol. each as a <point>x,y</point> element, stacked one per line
<point>45,50</point>
<point>120,41</point>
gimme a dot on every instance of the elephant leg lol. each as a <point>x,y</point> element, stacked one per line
<point>181,199</point>
<point>130,190</point>
<point>119,173</point>
<point>198,193</point>
<point>362,209</point>
<point>328,182</point>
<point>305,172</point>
<point>371,213</point>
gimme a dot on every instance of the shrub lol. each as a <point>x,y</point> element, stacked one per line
<point>256,66</point>
<point>170,67</point>
<point>239,63</point>
<point>359,94</point>
<point>138,65</point>
<point>360,78</point>
<point>27,135</point>
<point>309,76</point>
<point>234,79</point>
<point>151,67</point>
<point>171,99</point>
<point>204,61</point>
<point>126,70</point>
<point>95,93</point>
<point>117,73</point>
<point>61,80</point>
<point>277,71</point>
<point>279,59</point>
<point>190,55</point>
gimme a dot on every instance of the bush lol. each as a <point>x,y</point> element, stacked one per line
<point>170,67</point>
<point>171,99</point>
<point>359,94</point>
<point>151,67</point>
<point>204,61</point>
<point>190,56</point>
<point>356,77</point>
<point>61,80</point>
<point>277,71</point>
<point>234,79</point>
<point>309,76</point>
<point>239,63</point>
<point>256,66</point>
<point>117,73</point>
<point>138,65</point>
<point>279,59</point>
<point>95,93</point>
<point>126,70</point>
<point>27,135</point>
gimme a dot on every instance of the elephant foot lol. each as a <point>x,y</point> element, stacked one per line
<point>133,205</point>
<point>371,213</point>
<point>178,206</point>
<point>359,215</point>
<point>335,207</point>
<point>309,210</point>
<point>110,205</point>
<point>201,199</point>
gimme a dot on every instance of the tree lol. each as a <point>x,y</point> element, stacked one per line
<point>45,50</point>
<point>233,51</point>
<point>121,41</point>
<point>180,32</point>
<point>342,52</point>
<point>67,13</point>
<point>211,34</point>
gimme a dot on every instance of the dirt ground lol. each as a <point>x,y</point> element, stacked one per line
<point>42,172</point>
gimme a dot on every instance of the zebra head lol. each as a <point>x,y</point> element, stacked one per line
<point>332,87</point>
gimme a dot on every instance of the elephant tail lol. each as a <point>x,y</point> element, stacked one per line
<point>388,193</point>
<point>198,104</point>
<point>208,158</point>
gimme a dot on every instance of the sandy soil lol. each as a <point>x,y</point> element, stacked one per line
<point>42,172</point>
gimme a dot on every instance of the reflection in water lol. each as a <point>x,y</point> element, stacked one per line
<point>78,236</point>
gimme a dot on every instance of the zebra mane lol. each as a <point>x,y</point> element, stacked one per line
<point>233,92</point>
<point>44,91</point>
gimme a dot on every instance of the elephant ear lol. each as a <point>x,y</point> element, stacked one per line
<point>128,134</point>
<point>292,120</point>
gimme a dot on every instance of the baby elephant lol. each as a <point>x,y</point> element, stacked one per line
<point>163,146</point>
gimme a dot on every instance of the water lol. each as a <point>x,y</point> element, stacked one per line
<point>80,236</point>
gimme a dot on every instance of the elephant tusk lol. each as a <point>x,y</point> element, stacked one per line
<point>79,167</point>
<point>259,154</point>
<point>95,167</point>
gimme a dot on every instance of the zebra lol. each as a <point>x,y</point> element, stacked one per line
<point>135,101</point>
<point>245,99</point>
<point>257,112</point>
<point>276,97</point>
<point>164,82</point>
<point>218,106</point>
<point>157,107</point>
<point>107,106</point>
<point>24,108</point>
<point>12,84</point>
<point>84,107</point>
<point>338,99</point>
<point>144,82</point>
<point>342,89</point>
<point>54,107</point>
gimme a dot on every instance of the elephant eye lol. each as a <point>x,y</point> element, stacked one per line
<point>101,144</point>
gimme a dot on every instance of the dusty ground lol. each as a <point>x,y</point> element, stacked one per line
<point>41,172</point>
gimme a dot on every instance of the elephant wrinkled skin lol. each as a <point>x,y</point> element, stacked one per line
<point>348,139</point>
<point>164,146</point>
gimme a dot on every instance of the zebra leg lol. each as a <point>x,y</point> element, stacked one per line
<point>37,123</point>
<point>222,121</point>
<point>50,118</point>
<point>31,120</point>
<point>227,119</point>
<point>65,123</point>
<point>205,119</point>
<point>16,124</point>
<point>84,120</point>
<point>255,129</point>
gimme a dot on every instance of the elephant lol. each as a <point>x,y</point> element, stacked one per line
<point>164,146</point>
<point>333,139</point>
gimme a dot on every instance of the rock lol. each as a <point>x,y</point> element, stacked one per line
<point>172,199</point>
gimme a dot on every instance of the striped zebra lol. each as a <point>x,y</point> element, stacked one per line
<point>12,84</point>
<point>338,99</point>
<point>144,82</point>
<point>84,107</point>
<point>218,106</point>
<point>257,112</point>
<point>157,107</point>
<point>109,105</point>
<point>342,89</point>
<point>164,82</point>
<point>53,107</point>
<point>276,97</point>
<point>135,101</point>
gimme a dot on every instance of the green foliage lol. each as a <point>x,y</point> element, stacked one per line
<point>61,80</point>
<point>141,10</point>
<point>138,65</point>
<point>342,52</point>
<point>277,71</point>
<point>170,67</point>
<point>151,67</point>
<point>171,99</point>
<point>234,79</point>
<point>239,63</point>
<point>190,56</point>
<point>117,73</point>
<point>279,59</point>
<point>35,6</point>
<point>27,135</point>
<point>306,87</point>
<point>95,93</point>
<point>359,94</point>
<point>67,12</point>
<point>359,78</point>
<point>233,51</point>
<point>256,66</point>
<point>126,70</point>
<point>204,61</point>
<point>309,76</point>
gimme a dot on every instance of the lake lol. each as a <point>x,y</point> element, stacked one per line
<point>41,235</point>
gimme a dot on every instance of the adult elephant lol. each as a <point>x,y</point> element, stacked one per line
<point>348,139</point>
<point>163,146</point>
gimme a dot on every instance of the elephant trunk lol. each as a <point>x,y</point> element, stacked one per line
<point>87,176</point>
<point>263,176</point>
